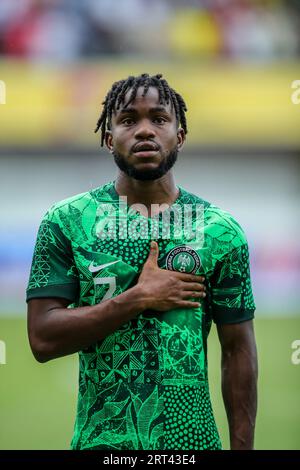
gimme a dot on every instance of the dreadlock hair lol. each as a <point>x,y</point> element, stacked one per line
<point>116,97</point>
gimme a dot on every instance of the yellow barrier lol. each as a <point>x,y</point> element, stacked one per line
<point>228,104</point>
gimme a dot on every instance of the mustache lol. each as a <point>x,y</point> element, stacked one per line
<point>149,144</point>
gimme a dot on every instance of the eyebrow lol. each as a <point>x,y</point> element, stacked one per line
<point>157,109</point>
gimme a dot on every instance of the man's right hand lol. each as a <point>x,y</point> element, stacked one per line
<point>157,289</point>
<point>164,289</point>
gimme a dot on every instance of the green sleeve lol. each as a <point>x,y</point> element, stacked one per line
<point>53,272</point>
<point>231,296</point>
<point>231,291</point>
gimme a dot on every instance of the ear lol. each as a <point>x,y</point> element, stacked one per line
<point>180,138</point>
<point>109,141</point>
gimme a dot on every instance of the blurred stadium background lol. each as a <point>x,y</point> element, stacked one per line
<point>234,61</point>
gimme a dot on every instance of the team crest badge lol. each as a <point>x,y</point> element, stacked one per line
<point>183,259</point>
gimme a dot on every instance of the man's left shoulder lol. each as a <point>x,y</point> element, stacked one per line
<point>224,227</point>
<point>220,226</point>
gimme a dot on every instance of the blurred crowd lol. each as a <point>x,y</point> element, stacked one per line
<point>65,30</point>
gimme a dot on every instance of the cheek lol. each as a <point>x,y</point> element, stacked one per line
<point>119,138</point>
<point>169,140</point>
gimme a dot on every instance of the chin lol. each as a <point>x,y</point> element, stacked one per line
<point>149,174</point>
<point>145,175</point>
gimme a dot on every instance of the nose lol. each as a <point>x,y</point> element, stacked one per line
<point>145,130</point>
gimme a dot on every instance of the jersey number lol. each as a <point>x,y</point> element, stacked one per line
<point>111,281</point>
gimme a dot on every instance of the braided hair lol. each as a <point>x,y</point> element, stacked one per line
<point>116,96</point>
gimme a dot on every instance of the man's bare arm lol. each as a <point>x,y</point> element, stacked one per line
<point>239,382</point>
<point>55,330</point>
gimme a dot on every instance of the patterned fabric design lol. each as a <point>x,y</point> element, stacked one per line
<point>144,386</point>
<point>41,269</point>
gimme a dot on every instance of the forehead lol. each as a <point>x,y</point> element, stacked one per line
<point>144,103</point>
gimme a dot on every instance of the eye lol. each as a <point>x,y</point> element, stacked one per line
<point>128,121</point>
<point>159,120</point>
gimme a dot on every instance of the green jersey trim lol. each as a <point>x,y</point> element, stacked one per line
<point>224,316</point>
<point>65,291</point>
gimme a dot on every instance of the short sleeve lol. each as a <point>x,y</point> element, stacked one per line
<point>53,272</point>
<point>231,290</point>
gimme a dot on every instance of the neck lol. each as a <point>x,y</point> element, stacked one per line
<point>160,191</point>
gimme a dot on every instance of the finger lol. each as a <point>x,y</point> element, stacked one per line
<point>189,277</point>
<point>193,286</point>
<point>186,294</point>
<point>188,304</point>
<point>153,254</point>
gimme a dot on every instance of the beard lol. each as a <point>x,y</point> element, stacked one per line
<point>146,175</point>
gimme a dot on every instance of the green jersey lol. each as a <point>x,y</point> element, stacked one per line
<point>145,386</point>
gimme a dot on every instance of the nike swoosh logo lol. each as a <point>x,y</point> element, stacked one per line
<point>94,269</point>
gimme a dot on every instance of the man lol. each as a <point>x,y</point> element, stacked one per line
<point>139,310</point>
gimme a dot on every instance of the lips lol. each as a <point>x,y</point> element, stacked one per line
<point>145,147</point>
